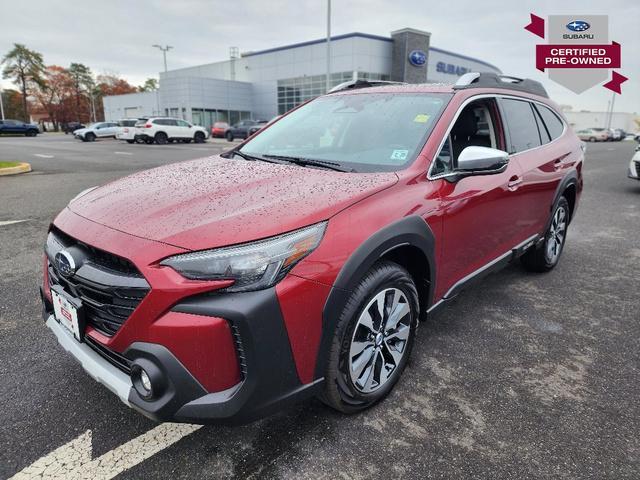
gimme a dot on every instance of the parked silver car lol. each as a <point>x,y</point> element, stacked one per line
<point>97,130</point>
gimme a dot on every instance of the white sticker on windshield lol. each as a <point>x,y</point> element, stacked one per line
<point>399,154</point>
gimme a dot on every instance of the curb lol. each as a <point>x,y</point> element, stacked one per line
<point>20,168</point>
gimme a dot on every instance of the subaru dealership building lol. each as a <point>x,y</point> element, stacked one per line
<point>263,84</point>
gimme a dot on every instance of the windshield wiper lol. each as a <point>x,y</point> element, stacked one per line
<point>312,162</point>
<point>251,158</point>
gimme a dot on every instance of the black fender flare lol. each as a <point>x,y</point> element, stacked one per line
<point>570,178</point>
<point>411,230</point>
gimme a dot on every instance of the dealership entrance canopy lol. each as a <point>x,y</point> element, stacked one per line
<point>266,83</point>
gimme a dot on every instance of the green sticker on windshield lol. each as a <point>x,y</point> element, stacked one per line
<point>421,118</point>
<point>399,154</point>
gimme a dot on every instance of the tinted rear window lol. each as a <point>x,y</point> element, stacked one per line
<point>552,122</point>
<point>523,130</point>
<point>126,123</point>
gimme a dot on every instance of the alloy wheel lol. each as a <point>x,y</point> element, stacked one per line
<point>556,235</point>
<point>380,339</point>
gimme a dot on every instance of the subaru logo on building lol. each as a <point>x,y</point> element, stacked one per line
<point>417,58</point>
<point>578,26</point>
<point>65,264</point>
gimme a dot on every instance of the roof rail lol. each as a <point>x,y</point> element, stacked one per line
<point>361,83</point>
<point>493,80</point>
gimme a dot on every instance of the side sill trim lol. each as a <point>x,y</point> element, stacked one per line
<point>493,265</point>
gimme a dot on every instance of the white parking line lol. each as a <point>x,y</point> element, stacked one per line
<point>123,153</point>
<point>42,155</point>
<point>73,459</point>
<point>11,222</point>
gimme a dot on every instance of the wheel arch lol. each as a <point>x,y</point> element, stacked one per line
<point>569,185</point>
<point>410,242</point>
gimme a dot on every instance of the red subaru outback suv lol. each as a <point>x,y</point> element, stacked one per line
<point>300,262</point>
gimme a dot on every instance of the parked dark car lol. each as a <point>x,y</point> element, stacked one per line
<point>244,129</point>
<point>16,127</point>
<point>622,134</point>
<point>71,127</point>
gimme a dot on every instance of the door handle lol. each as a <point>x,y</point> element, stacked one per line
<point>514,182</point>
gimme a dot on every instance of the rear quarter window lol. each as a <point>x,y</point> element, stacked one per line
<point>554,125</point>
<point>521,124</point>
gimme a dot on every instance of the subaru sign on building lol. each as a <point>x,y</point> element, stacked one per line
<point>417,58</point>
<point>265,83</point>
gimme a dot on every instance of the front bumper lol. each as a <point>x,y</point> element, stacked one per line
<point>634,170</point>
<point>101,371</point>
<point>269,378</point>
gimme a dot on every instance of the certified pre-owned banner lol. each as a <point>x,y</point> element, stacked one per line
<point>579,54</point>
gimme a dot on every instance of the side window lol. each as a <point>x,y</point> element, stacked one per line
<point>182,123</point>
<point>477,125</point>
<point>554,125</point>
<point>544,134</point>
<point>521,123</point>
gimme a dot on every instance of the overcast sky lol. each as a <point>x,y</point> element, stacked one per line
<point>115,36</point>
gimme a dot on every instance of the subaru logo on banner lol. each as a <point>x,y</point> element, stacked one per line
<point>578,26</point>
<point>417,58</point>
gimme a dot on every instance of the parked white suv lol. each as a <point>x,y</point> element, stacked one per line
<point>126,129</point>
<point>96,130</point>
<point>166,129</point>
<point>634,165</point>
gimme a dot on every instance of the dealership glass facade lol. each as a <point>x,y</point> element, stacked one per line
<point>206,117</point>
<point>294,91</point>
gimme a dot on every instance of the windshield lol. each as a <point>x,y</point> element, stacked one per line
<point>365,132</point>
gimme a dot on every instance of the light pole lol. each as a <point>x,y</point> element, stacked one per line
<point>1,105</point>
<point>328,44</point>
<point>164,50</point>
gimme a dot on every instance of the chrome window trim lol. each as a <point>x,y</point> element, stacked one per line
<point>496,96</point>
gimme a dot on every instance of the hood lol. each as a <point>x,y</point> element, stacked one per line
<point>213,202</point>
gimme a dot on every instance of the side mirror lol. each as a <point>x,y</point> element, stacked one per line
<point>482,161</point>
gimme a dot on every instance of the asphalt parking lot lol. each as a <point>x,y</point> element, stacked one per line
<point>522,376</point>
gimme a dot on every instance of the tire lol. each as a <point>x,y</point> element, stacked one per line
<point>592,139</point>
<point>198,137</point>
<point>546,256</point>
<point>131,141</point>
<point>229,136</point>
<point>90,137</point>
<point>354,381</point>
<point>31,133</point>
<point>161,138</point>
<point>149,141</point>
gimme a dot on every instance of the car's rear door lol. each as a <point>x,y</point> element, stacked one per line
<point>536,143</point>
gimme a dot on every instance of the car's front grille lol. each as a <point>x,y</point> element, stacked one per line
<point>638,169</point>
<point>109,287</point>
<point>114,358</point>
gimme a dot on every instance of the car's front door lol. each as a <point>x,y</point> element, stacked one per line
<point>481,213</point>
<point>183,129</point>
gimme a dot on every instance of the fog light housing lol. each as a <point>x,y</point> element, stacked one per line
<point>147,379</point>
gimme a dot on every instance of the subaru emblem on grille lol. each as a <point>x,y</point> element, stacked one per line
<point>65,263</point>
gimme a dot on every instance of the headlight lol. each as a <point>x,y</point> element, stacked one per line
<point>253,266</point>
<point>84,192</point>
